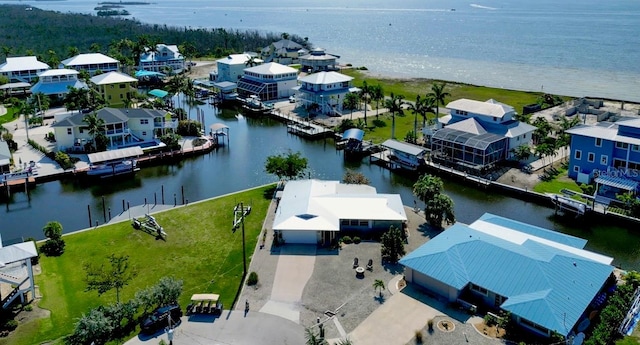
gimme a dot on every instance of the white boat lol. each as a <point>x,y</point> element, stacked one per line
<point>254,104</point>
<point>113,169</point>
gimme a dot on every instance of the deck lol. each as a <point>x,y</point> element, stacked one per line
<point>303,128</point>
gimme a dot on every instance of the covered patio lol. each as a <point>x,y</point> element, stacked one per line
<point>608,187</point>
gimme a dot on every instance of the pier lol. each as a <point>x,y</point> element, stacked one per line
<point>301,127</point>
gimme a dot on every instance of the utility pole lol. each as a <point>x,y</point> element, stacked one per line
<point>240,207</point>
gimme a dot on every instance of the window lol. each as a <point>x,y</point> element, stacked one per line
<point>598,142</point>
<point>144,121</point>
<point>479,289</point>
<point>578,155</point>
<point>576,168</point>
<point>591,157</point>
<point>364,223</point>
<point>122,86</point>
<point>635,147</point>
<point>604,159</point>
<point>69,131</point>
<point>622,145</point>
<point>144,134</point>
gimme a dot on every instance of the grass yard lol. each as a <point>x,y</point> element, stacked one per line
<point>201,249</point>
<point>558,183</point>
<point>410,88</point>
<point>404,125</point>
<point>8,117</point>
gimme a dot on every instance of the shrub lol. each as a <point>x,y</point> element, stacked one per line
<point>190,128</point>
<point>490,320</point>
<point>430,325</point>
<point>28,307</point>
<point>346,239</point>
<point>252,279</point>
<point>356,239</point>
<point>418,337</point>
<point>379,123</point>
<point>53,247</point>
<point>11,325</point>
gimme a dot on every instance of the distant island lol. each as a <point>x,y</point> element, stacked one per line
<point>108,13</point>
<point>124,3</point>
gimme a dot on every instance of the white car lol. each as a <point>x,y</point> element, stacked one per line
<point>292,99</point>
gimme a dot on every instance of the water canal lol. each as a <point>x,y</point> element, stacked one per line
<point>240,165</point>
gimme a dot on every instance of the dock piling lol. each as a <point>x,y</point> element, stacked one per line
<point>162,194</point>
<point>182,188</point>
<point>104,210</point>
<point>89,211</point>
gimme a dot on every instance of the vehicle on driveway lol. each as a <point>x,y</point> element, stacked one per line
<point>162,317</point>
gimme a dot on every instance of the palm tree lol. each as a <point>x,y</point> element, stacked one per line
<point>6,51</point>
<point>394,104</point>
<point>377,94</point>
<point>95,48</point>
<point>522,152</point>
<point>345,341</point>
<point>53,60</point>
<point>313,338</point>
<point>428,107</point>
<point>378,285</point>
<point>252,61</point>
<point>72,51</point>
<point>365,94</point>
<point>543,129</point>
<point>418,108</point>
<point>438,94</point>
<point>351,101</point>
<point>95,126</point>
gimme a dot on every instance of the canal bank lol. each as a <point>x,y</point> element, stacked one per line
<point>240,165</point>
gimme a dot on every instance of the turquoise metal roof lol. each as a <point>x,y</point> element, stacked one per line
<point>543,283</point>
<point>353,133</point>
<point>58,88</point>
<point>158,93</point>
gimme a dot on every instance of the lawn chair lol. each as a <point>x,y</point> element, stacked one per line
<point>355,262</point>
<point>370,265</point>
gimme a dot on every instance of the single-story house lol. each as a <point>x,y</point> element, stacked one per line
<point>314,211</point>
<point>545,279</point>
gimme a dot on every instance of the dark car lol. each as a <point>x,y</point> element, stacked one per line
<point>159,319</point>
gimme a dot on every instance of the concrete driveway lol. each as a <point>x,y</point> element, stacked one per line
<point>295,267</point>
<point>397,319</point>
<point>232,327</point>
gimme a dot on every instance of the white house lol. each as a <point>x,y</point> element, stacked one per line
<point>232,67</point>
<point>56,82</point>
<point>91,63</point>
<point>326,90</point>
<point>16,270</point>
<point>269,81</point>
<point>478,134</point>
<point>314,211</point>
<point>317,61</point>
<point>165,56</point>
<point>122,127</point>
<point>22,69</point>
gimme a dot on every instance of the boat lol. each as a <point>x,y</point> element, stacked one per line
<point>566,204</point>
<point>253,104</point>
<point>113,169</point>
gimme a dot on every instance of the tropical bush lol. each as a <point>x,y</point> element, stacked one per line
<point>356,239</point>
<point>347,239</point>
<point>252,279</point>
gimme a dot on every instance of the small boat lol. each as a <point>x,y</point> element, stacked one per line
<point>255,105</point>
<point>566,204</point>
<point>113,169</point>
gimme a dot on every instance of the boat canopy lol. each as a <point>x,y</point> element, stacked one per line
<point>158,93</point>
<point>114,155</point>
<point>218,126</point>
<point>617,182</point>
<point>409,149</point>
<point>205,297</point>
<point>353,133</point>
<point>143,73</point>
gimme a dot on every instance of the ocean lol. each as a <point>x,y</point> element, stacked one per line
<point>575,48</point>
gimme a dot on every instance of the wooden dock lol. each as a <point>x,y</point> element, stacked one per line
<point>17,182</point>
<point>301,127</point>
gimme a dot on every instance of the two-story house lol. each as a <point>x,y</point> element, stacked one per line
<point>478,134</point>
<point>231,68</point>
<point>324,92</point>
<point>116,88</point>
<point>269,81</point>
<point>165,57</point>
<point>56,82</point>
<point>285,51</point>
<point>318,61</point>
<point>123,128</point>
<point>608,152</point>
<point>22,69</point>
<point>92,63</point>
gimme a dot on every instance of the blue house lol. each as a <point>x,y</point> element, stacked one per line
<point>608,152</point>
<point>478,134</point>
<point>545,279</point>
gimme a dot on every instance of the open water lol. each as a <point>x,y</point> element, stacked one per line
<point>577,48</point>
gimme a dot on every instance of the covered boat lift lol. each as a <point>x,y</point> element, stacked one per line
<point>218,130</point>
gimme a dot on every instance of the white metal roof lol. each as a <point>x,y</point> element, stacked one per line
<point>316,205</point>
<point>17,252</point>
<point>520,129</point>
<point>488,108</point>
<point>469,125</point>
<point>112,78</point>
<point>271,68</point>
<point>88,59</point>
<point>237,59</point>
<point>57,72</point>
<point>324,78</point>
<point>112,155</point>
<point>404,147</point>
<point>22,63</point>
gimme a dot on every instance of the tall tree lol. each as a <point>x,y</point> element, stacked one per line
<point>392,245</point>
<point>394,104</point>
<point>95,127</point>
<point>251,61</point>
<point>438,206</point>
<point>439,95</point>
<point>95,48</point>
<point>6,51</point>
<point>354,177</point>
<point>377,95</point>
<point>289,166</point>
<point>350,102</point>
<point>116,276</point>
<point>365,95</point>
<point>72,51</point>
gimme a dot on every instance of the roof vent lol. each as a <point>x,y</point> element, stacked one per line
<point>574,264</point>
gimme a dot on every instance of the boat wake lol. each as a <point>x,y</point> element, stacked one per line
<point>483,7</point>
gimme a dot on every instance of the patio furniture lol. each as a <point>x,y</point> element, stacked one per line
<point>355,262</point>
<point>359,271</point>
<point>370,265</point>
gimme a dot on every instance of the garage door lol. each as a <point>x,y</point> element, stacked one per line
<point>300,237</point>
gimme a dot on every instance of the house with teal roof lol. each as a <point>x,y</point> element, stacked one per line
<point>545,279</point>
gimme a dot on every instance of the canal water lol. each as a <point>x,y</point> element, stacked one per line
<point>240,165</point>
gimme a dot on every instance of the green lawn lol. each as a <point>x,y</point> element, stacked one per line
<point>8,117</point>
<point>559,182</point>
<point>410,88</point>
<point>201,249</point>
<point>404,124</point>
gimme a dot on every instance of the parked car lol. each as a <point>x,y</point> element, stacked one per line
<point>159,319</point>
<point>292,99</point>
